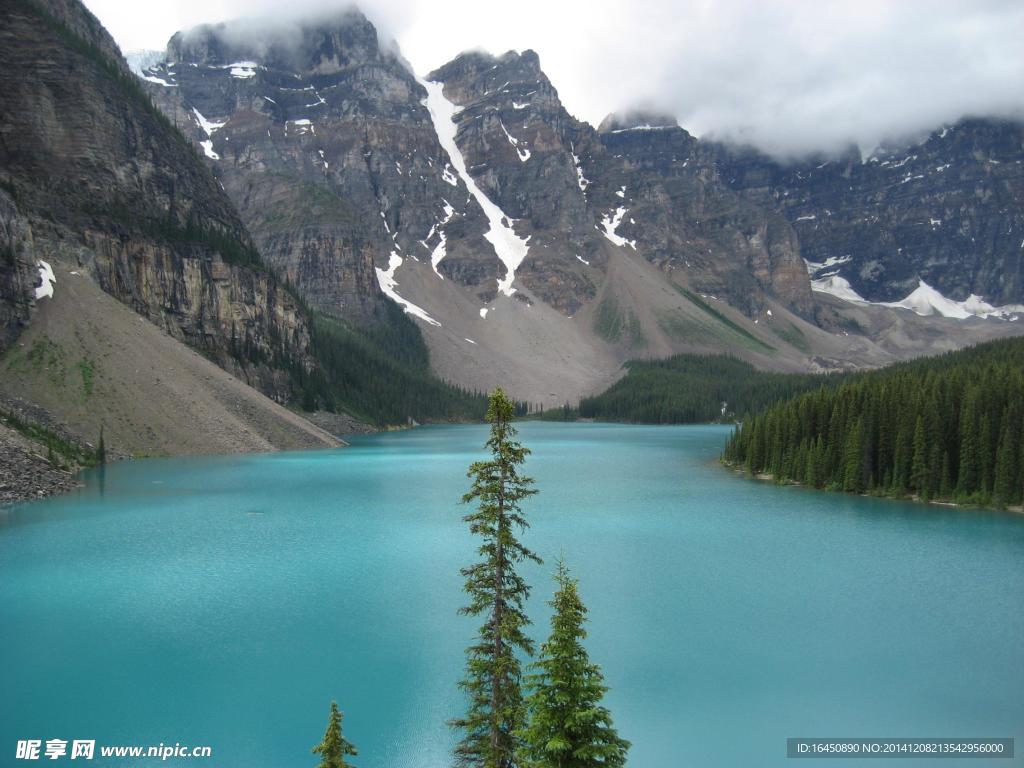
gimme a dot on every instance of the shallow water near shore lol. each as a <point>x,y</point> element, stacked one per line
<point>224,601</point>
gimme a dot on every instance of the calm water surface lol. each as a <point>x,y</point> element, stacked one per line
<point>226,601</point>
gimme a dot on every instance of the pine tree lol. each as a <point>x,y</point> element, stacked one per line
<point>1018,493</point>
<point>569,728</point>
<point>496,711</point>
<point>334,747</point>
<point>853,458</point>
<point>946,483</point>
<point>969,478</point>
<point>919,462</point>
<point>1006,469</point>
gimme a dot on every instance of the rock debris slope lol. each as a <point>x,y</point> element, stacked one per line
<point>97,186</point>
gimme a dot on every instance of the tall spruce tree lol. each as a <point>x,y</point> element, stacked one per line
<point>919,463</point>
<point>334,747</point>
<point>569,727</point>
<point>496,712</point>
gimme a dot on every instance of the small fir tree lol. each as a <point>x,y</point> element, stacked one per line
<point>334,747</point>
<point>569,727</point>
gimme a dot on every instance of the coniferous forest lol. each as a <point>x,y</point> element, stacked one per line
<point>947,428</point>
<point>691,389</point>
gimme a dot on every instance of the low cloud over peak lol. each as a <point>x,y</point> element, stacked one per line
<point>789,76</point>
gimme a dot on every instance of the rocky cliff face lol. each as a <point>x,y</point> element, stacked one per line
<point>319,135</point>
<point>517,142</point>
<point>689,220</point>
<point>316,129</point>
<point>18,272</point>
<point>638,182</point>
<point>538,252</point>
<point>95,176</point>
<point>948,210</point>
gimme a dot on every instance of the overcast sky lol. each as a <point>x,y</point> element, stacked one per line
<point>791,76</point>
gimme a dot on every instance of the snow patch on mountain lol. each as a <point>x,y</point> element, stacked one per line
<point>442,247</point>
<point>207,146</point>
<point>610,222</point>
<point>839,287</point>
<point>209,126</point>
<point>581,180</point>
<point>158,81</point>
<point>302,126</point>
<point>141,59</point>
<point>813,267</point>
<point>524,154</point>
<point>923,300</point>
<point>509,247</point>
<point>48,280</point>
<point>243,70</point>
<point>388,284</point>
<point>645,128</point>
<point>320,100</point>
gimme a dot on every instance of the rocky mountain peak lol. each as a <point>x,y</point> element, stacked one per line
<point>939,210</point>
<point>471,64</point>
<point>80,21</point>
<point>363,186</point>
<point>476,75</point>
<point>324,45</point>
<point>637,119</point>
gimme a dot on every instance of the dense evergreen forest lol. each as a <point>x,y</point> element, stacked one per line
<point>382,375</point>
<point>945,428</point>
<point>689,389</point>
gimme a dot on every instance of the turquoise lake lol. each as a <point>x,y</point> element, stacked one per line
<point>225,601</point>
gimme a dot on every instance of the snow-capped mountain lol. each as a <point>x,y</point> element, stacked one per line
<point>141,59</point>
<point>946,211</point>
<point>530,248</point>
<point>536,250</point>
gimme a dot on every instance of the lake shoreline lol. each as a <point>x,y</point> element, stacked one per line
<point>765,477</point>
<point>26,475</point>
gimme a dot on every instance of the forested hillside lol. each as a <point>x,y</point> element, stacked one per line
<point>688,389</point>
<point>947,428</point>
<point>382,375</point>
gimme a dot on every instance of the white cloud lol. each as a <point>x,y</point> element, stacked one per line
<point>788,75</point>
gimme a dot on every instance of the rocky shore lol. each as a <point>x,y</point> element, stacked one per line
<point>25,474</point>
<point>339,425</point>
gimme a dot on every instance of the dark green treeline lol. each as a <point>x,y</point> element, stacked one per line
<point>690,389</point>
<point>946,428</point>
